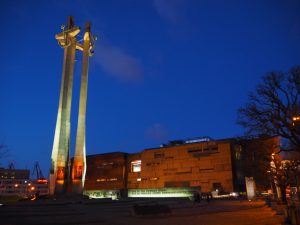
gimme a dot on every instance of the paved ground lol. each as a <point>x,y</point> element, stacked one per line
<point>216,212</point>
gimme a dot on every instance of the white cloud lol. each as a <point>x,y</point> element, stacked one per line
<point>118,63</point>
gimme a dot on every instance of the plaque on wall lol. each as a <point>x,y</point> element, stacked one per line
<point>78,172</point>
<point>60,173</point>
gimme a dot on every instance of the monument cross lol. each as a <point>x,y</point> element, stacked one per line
<point>60,174</point>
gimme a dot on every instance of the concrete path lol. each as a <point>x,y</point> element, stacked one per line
<point>216,212</point>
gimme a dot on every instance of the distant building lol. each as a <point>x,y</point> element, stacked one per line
<point>178,168</point>
<point>14,182</point>
<point>17,182</point>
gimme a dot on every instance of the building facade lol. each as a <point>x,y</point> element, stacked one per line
<point>14,182</point>
<point>178,168</point>
<point>203,166</point>
<point>106,175</point>
<point>17,182</point>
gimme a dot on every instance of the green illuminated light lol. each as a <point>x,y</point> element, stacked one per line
<point>143,193</point>
<point>160,193</point>
<point>113,194</point>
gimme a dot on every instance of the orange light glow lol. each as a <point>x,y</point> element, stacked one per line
<point>101,180</point>
<point>42,181</point>
<point>32,188</point>
<point>296,118</point>
<point>60,181</point>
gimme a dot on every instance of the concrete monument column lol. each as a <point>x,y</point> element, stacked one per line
<point>60,173</point>
<point>79,164</point>
<point>60,158</point>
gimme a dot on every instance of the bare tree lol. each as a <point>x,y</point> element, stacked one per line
<point>272,107</point>
<point>284,173</point>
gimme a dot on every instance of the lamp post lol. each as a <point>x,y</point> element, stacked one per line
<point>271,183</point>
<point>273,171</point>
<point>296,120</point>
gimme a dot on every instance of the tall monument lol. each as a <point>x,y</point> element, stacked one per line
<point>60,173</point>
<point>79,164</point>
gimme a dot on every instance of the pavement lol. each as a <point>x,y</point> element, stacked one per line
<point>181,212</point>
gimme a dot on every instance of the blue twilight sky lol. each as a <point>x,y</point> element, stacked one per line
<point>162,69</point>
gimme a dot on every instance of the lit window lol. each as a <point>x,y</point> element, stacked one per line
<point>136,166</point>
<point>101,180</point>
<point>112,179</point>
<point>139,179</point>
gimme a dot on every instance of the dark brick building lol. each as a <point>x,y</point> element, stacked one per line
<point>179,166</point>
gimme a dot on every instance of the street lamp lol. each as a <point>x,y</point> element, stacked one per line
<point>271,183</point>
<point>295,119</point>
<point>272,172</point>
